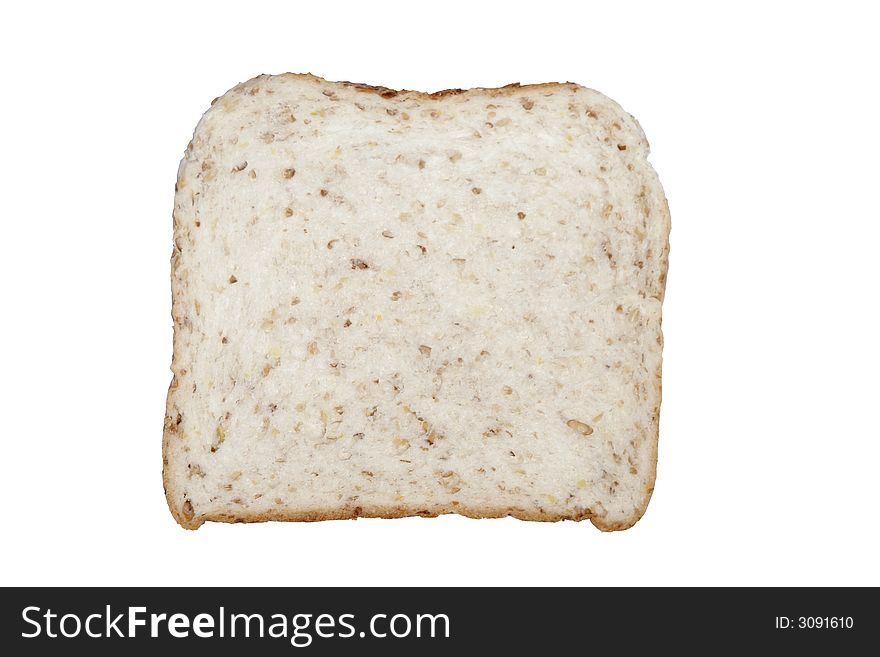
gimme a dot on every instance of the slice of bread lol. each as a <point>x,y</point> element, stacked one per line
<point>394,303</point>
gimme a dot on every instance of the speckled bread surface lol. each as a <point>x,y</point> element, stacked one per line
<point>395,303</point>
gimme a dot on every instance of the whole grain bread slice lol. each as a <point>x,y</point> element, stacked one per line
<point>391,303</point>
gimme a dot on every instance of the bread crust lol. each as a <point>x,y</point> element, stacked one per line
<point>186,519</point>
<point>386,92</point>
<point>352,513</point>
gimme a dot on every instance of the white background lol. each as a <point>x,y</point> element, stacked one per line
<point>763,120</point>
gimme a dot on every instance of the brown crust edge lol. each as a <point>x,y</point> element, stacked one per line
<point>389,512</point>
<point>388,93</point>
<point>175,509</point>
<point>429,512</point>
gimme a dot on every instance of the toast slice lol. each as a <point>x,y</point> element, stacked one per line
<point>391,303</point>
